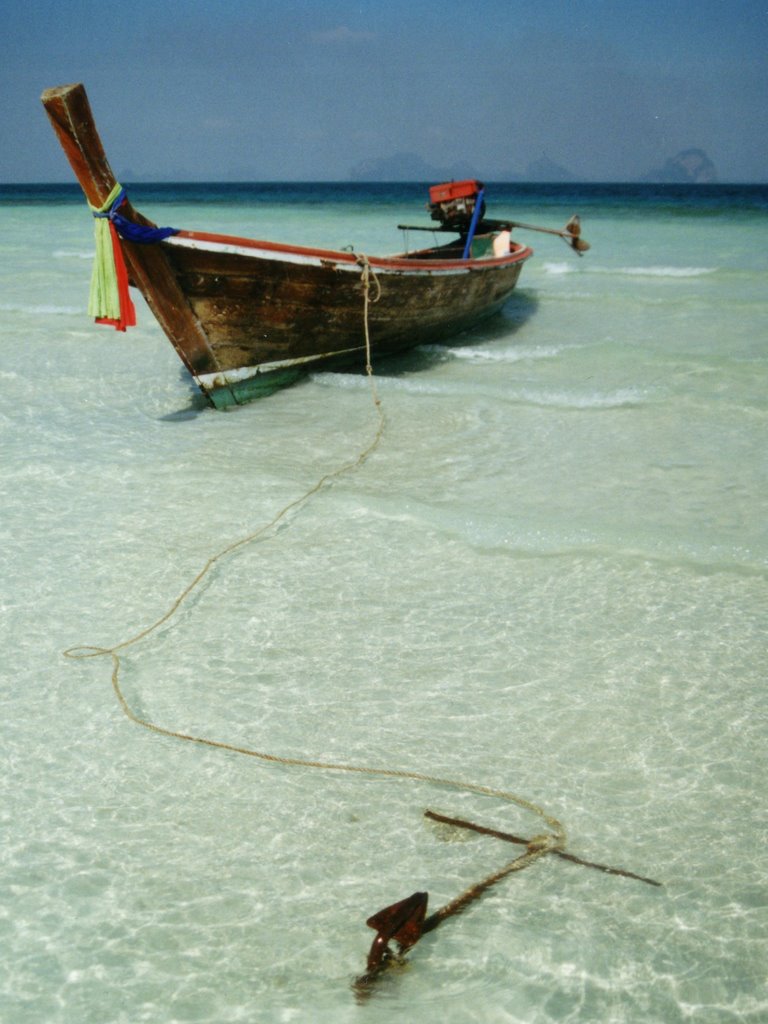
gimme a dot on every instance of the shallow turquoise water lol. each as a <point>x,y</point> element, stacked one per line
<point>550,578</point>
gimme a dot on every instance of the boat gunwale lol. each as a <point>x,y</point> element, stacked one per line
<point>261,249</point>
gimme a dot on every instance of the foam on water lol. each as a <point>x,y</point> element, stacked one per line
<point>66,254</point>
<point>659,271</point>
<point>493,353</point>
<point>550,577</point>
<point>41,309</point>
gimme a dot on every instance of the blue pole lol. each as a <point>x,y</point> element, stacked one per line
<point>473,223</point>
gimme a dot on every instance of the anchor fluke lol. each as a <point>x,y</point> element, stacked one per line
<point>402,922</point>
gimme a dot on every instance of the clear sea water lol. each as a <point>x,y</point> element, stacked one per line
<point>551,577</point>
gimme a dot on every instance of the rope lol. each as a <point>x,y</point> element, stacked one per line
<point>537,848</point>
<point>130,230</point>
<point>368,275</point>
<point>507,837</point>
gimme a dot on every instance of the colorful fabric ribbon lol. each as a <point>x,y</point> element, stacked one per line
<point>110,301</point>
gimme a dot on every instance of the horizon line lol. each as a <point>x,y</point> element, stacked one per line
<point>390,181</point>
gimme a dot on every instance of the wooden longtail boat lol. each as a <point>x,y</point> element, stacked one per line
<point>247,317</point>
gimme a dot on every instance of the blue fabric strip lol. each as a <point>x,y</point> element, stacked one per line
<point>131,231</point>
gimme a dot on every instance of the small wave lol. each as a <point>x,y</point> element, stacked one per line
<point>619,399</point>
<point>663,271</point>
<point>66,254</point>
<point>493,355</point>
<point>559,268</point>
<point>653,271</point>
<point>623,398</point>
<point>42,309</point>
<point>342,381</point>
<point>358,381</point>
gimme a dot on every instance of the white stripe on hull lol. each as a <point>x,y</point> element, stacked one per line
<point>221,378</point>
<point>309,259</point>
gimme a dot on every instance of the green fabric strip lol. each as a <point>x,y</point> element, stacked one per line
<point>104,299</point>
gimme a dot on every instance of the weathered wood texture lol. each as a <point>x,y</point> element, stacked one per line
<point>261,310</point>
<point>70,114</point>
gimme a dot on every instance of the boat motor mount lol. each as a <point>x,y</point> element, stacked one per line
<point>453,204</point>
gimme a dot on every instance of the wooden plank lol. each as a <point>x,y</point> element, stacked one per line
<point>70,114</point>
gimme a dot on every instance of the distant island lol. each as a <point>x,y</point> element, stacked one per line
<point>689,166</point>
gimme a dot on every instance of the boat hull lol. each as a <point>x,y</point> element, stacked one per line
<point>271,313</point>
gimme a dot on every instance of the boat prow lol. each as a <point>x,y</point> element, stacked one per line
<point>249,316</point>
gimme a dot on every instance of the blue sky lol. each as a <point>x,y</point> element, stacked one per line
<point>300,90</point>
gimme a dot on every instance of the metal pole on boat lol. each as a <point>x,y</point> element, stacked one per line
<point>571,233</point>
<point>473,223</point>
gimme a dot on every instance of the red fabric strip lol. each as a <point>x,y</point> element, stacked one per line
<point>127,308</point>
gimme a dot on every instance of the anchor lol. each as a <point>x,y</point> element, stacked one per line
<point>404,922</point>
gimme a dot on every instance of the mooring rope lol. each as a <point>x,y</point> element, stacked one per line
<point>368,275</point>
<point>537,847</point>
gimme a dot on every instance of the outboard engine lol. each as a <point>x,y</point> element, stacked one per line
<point>453,204</point>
